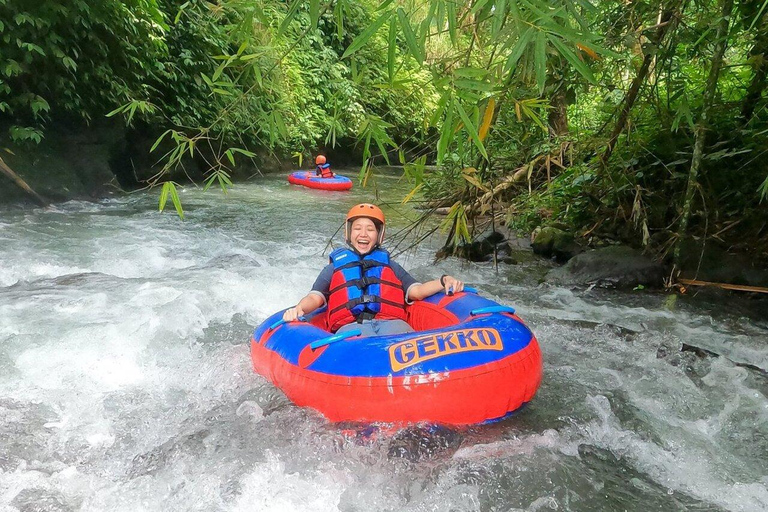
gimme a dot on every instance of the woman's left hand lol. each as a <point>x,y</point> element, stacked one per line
<point>452,285</point>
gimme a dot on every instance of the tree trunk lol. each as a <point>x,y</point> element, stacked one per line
<point>701,125</point>
<point>4,169</point>
<point>558,115</point>
<point>668,22</point>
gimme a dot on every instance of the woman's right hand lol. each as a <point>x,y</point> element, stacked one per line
<point>293,313</point>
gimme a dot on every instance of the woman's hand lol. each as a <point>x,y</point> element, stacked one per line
<point>293,313</point>
<point>451,284</point>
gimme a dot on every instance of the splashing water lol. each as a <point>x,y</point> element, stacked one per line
<point>125,378</point>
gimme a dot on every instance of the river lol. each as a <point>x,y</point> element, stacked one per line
<point>126,384</point>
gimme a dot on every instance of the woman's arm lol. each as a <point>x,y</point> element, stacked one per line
<point>305,306</point>
<point>424,290</point>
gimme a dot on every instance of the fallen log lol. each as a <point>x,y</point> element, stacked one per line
<point>724,286</point>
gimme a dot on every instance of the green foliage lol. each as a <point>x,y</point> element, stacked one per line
<point>73,58</point>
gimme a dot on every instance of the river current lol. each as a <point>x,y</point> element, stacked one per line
<point>126,382</point>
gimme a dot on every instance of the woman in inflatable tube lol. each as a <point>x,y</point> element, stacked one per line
<point>370,343</point>
<point>322,178</point>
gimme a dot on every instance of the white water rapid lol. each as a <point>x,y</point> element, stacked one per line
<point>126,382</point>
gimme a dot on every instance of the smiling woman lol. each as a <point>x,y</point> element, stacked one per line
<point>362,287</point>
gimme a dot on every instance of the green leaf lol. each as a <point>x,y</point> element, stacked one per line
<point>164,195</point>
<point>220,70</point>
<point>470,126</point>
<point>478,6</point>
<point>446,133</point>
<point>470,72</point>
<point>367,34</point>
<point>763,190</point>
<point>499,15</point>
<point>410,37</point>
<point>294,9</point>
<point>540,61</point>
<point>69,63</point>
<point>572,58</point>
<point>39,104</point>
<point>338,12</point>
<point>391,49</point>
<point>244,152</point>
<point>159,139</point>
<point>180,12</point>
<point>176,201</point>
<point>519,49</point>
<point>314,12</point>
<point>474,85</point>
<point>452,19</point>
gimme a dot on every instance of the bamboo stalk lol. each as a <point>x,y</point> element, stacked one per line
<point>21,183</point>
<point>702,125</point>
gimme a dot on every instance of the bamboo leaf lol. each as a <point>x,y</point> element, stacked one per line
<point>219,70</point>
<point>294,9</point>
<point>314,12</point>
<point>540,61</point>
<point>412,193</point>
<point>176,201</point>
<point>367,34</point>
<point>478,6</point>
<point>338,13</point>
<point>159,140</point>
<point>446,133</point>
<point>164,195</point>
<point>499,15</point>
<point>474,181</point>
<point>410,37</point>
<point>485,126</point>
<point>470,72</point>
<point>763,190</point>
<point>573,59</point>
<point>519,49</point>
<point>391,49</point>
<point>471,129</point>
<point>473,85</point>
<point>450,6</point>
<point>244,152</point>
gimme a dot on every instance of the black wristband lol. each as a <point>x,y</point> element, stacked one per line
<point>442,280</point>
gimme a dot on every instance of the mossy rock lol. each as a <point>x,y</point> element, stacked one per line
<point>554,242</point>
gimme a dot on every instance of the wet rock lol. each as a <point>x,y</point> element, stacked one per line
<point>486,247</point>
<point>553,242</point>
<point>609,267</point>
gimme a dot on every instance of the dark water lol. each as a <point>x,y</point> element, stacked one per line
<point>125,379</point>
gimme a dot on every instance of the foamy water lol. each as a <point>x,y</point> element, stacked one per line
<point>125,378</point>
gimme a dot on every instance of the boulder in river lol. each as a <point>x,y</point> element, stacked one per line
<point>610,267</point>
<point>485,247</point>
<point>553,242</point>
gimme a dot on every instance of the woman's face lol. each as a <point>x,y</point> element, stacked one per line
<point>363,235</point>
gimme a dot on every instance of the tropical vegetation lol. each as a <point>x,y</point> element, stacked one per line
<point>643,121</point>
